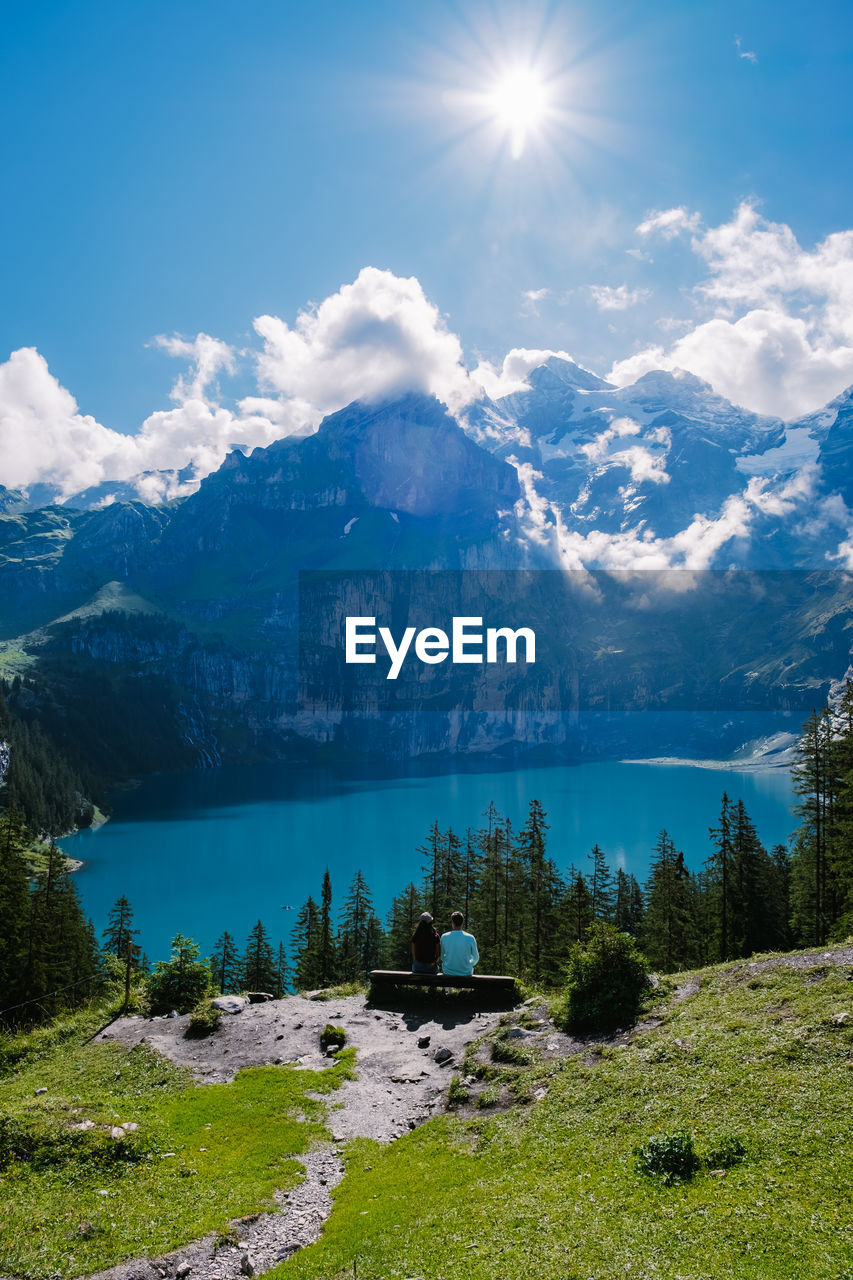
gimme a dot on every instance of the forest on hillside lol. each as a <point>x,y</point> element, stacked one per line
<point>526,913</point>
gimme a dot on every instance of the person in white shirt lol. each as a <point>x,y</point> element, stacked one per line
<point>459,951</point>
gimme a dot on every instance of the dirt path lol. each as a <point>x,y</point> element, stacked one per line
<point>400,1085</point>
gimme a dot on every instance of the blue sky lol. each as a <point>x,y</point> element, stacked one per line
<point>184,168</point>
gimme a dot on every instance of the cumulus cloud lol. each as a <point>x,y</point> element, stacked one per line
<point>44,439</point>
<point>513,373</point>
<point>619,298</point>
<point>694,547</point>
<point>669,223</point>
<point>208,358</point>
<point>643,464</point>
<point>374,338</point>
<point>779,339</point>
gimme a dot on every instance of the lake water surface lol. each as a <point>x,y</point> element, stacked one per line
<point>208,851</point>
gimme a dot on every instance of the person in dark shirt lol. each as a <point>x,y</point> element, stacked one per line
<point>426,946</point>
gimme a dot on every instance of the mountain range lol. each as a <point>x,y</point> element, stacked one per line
<point>200,597</point>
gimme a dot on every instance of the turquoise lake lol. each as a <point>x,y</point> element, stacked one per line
<point>208,851</point>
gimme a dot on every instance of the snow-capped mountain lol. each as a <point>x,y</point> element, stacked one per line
<point>667,472</point>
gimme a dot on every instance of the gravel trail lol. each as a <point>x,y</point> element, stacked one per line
<point>400,1085</point>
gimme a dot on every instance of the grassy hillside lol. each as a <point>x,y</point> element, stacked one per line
<point>73,1200</point>
<point>533,1173</point>
<point>550,1189</point>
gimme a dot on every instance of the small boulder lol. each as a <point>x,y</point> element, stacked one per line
<point>230,1004</point>
<point>183,1271</point>
<point>259,997</point>
<point>518,1033</point>
<point>38,1092</point>
<point>442,1055</point>
<point>839,1019</point>
<point>423,1042</point>
<point>173,1014</point>
<point>247,1265</point>
<point>116,1131</point>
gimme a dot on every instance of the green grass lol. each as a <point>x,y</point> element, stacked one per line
<point>551,1190</point>
<point>230,1148</point>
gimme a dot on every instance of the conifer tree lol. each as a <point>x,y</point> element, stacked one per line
<point>360,932</point>
<point>279,987</point>
<point>305,947</point>
<point>225,964</point>
<point>326,959</point>
<point>259,970</point>
<point>601,887</point>
<point>721,882</point>
<point>668,926</point>
<point>628,907</point>
<point>405,912</point>
<point>119,935</point>
<point>14,906</point>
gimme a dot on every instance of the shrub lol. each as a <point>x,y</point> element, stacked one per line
<point>181,982</point>
<point>605,981</point>
<point>29,1142</point>
<point>727,1151</point>
<point>204,1019</point>
<point>503,1050</point>
<point>332,1036</point>
<point>670,1156</point>
<point>457,1093</point>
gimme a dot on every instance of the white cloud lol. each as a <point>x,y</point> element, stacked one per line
<point>779,339</point>
<point>531,298</point>
<point>374,338</point>
<point>695,547</point>
<point>512,375</point>
<point>669,223</point>
<point>746,54</point>
<point>643,464</point>
<point>44,439</point>
<point>618,298</point>
<point>208,357</point>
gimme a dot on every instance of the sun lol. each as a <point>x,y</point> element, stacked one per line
<point>518,102</point>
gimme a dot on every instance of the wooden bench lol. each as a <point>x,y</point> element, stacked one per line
<point>491,983</point>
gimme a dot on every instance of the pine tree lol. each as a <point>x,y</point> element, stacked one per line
<point>279,987</point>
<point>305,947</point>
<point>326,959</point>
<point>576,910</point>
<point>668,926</point>
<point>119,935</point>
<point>628,908</point>
<point>181,981</point>
<point>720,880</point>
<point>14,907</point>
<point>259,970</point>
<point>360,932</point>
<point>602,889</point>
<point>405,912</point>
<point>225,964</point>
<point>537,878</point>
<point>809,874</point>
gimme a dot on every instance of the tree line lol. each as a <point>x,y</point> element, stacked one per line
<point>525,911</point>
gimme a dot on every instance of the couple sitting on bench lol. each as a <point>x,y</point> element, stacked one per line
<point>456,950</point>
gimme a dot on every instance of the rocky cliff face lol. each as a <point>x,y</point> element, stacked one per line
<point>200,599</point>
